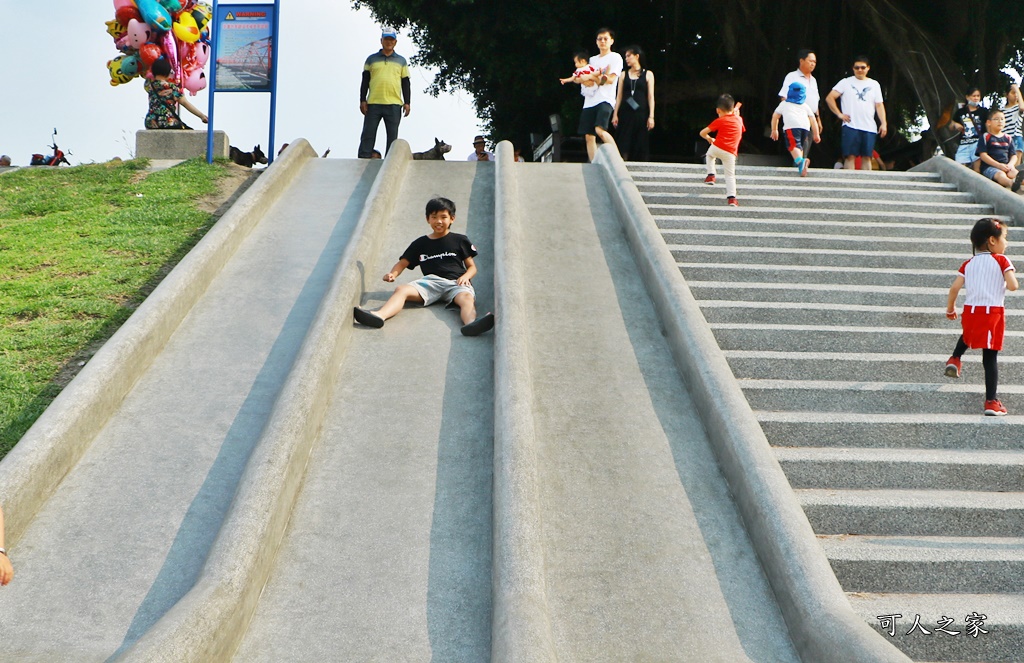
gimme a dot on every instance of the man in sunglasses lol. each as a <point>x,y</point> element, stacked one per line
<point>861,99</point>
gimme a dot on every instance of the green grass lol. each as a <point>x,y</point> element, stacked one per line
<point>80,248</point>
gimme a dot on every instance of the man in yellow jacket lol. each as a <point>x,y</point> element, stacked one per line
<point>384,93</point>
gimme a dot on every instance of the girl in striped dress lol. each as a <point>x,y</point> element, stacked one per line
<point>1012,113</point>
<point>987,276</point>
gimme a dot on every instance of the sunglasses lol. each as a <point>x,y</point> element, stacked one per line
<point>860,67</point>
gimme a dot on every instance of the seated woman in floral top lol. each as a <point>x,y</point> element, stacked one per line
<point>164,96</point>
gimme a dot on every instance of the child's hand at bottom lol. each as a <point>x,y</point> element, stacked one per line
<point>951,314</point>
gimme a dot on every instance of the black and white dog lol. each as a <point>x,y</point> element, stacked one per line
<point>247,159</point>
<point>435,153</point>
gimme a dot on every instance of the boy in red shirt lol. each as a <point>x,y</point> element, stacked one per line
<point>725,146</point>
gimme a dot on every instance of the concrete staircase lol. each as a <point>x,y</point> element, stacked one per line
<point>826,294</point>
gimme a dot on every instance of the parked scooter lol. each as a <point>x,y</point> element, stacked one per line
<point>55,159</point>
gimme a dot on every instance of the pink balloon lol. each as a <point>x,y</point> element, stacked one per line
<point>195,81</point>
<point>139,33</point>
<point>118,4</point>
<point>202,53</point>
<point>171,51</point>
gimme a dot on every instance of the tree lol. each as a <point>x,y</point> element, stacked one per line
<point>509,54</point>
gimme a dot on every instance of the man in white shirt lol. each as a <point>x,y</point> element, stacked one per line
<point>598,107</point>
<point>480,152</point>
<point>861,98</point>
<point>802,74</point>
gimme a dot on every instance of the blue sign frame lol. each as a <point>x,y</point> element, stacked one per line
<point>244,46</point>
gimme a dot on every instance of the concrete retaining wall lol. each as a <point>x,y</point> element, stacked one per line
<point>208,623</point>
<point>31,472</point>
<point>1005,202</point>
<point>821,622</point>
<point>178,144</point>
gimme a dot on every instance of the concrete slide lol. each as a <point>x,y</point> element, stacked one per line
<point>393,537</point>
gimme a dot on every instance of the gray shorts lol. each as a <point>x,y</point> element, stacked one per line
<point>433,288</point>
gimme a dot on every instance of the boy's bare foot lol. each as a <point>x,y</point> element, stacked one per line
<point>364,317</point>
<point>479,326</point>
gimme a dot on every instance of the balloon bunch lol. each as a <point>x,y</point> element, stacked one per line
<point>147,30</point>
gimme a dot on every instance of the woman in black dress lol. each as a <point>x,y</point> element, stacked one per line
<point>634,108</point>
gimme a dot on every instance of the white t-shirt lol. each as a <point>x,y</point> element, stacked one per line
<point>605,93</point>
<point>813,98</point>
<point>795,116</point>
<point>858,101</point>
<point>473,157</point>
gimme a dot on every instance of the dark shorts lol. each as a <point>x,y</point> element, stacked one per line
<point>595,116</point>
<point>857,143</point>
<point>795,139</point>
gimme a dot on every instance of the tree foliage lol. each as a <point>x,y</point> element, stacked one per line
<point>510,53</point>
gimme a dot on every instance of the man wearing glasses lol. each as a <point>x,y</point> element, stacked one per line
<point>861,99</point>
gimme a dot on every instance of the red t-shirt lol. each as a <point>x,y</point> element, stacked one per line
<point>730,130</point>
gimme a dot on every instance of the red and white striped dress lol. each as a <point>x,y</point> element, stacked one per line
<point>983,321</point>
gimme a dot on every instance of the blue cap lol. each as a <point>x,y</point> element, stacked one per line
<point>797,93</point>
<point>388,32</point>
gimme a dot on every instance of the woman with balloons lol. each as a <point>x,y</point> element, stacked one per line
<point>167,42</point>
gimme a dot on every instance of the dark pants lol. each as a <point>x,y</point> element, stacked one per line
<point>391,114</point>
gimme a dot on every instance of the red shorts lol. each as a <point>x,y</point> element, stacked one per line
<point>983,327</point>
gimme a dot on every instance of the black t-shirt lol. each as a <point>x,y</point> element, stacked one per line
<point>442,257</point>
<point>973,121</point>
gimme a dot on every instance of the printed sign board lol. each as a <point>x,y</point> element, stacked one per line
<point>244,47</point>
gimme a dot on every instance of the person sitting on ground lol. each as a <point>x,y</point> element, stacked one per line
<point>164,97</point>
<point>969,120</point>
<point>798,118</point>
<point>480,152</point>
<point>996,151</point>
<point>6,570</point>
<point>446,259</point>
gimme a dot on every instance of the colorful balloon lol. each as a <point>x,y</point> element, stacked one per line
<point>155,14</point>
<point>186,29</point>
<point>195,81</point>
<point>123,68</point>
<point>172,6</point>
<point>149,53</point>
<point>125,14</point>
<point>139,33</point>
<point>118,4</point>
<point>116,29</point>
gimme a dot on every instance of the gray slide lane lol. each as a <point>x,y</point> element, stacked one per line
<point>388,551</point>
<point>128,530</point>
<point>646,557</point>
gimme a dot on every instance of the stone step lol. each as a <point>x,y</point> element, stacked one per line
<point>836,293</point>
<point>912,512</point>
<point>852,258</point>
<point>1003,622</point>
<point>926,564</point>
<point>952,396</point>
<point>756,237</point>
<point>863,177</point>
<point>898,431</point>
<point>829,313</point>
<point>820,179</point>
<point>952,229</point>
<point>917,469</point>
<point>820,205</point>
<point>746,210</point>
<point>810,338</point>
<point>797,189</point>
<point>881,367</point>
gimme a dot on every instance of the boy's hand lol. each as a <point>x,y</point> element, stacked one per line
<point>951,314</point>
<point>389,277</point>
<point>775,134</point>
<point>817,139</point>
<point>462,280</point>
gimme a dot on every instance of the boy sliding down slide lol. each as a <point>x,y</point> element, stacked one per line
<point>446,259</point>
